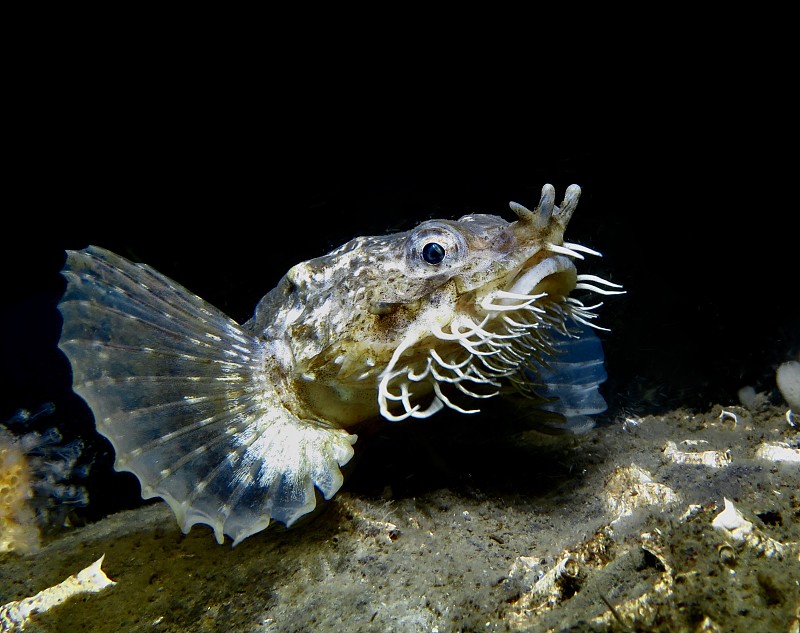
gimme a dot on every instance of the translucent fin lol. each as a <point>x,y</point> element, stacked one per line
<point>181,392</point>
<point>573,378</point>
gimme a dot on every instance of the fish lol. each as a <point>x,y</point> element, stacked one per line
<point>239,426</point>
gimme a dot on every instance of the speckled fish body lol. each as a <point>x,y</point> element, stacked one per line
<point>235,426</point>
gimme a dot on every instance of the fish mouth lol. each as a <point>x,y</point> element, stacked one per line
<point>554,275</point>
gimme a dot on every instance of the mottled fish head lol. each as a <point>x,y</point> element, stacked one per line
<point>414,321</point>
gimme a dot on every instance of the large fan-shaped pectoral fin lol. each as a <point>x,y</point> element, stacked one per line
<point>180,391</point>
<point>265,471</point>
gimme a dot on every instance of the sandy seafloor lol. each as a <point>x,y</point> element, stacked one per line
<point>492,528</point>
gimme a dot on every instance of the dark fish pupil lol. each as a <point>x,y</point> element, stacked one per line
<point>433,253</point>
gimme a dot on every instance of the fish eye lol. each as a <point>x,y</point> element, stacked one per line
<point>435,248</point>
<point>433,252</point>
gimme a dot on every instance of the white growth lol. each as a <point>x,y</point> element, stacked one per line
<point>712,459</point>
<point>778,452</point>
<point>732,521</point>
<point>788,379</point>
<point>15,615</point>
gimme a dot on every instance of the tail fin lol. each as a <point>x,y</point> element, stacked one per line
<point>180,391</point>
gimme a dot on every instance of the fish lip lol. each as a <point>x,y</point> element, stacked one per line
<point>529,279</point>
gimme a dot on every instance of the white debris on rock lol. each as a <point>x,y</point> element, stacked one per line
<point>787,378</point>
<point>528,569</point>
<point>777,452</point>
<point>732,521</point>
<point>747,397</point>
<point>740,530</point>
<point>692,510</point>
<point>632,487</point>
<point>549,589</point>
<point>712,459</point>
<point>15,615</point>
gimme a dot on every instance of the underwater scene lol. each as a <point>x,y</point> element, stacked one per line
<point>492,391</point>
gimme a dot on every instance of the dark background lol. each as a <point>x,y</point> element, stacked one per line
<point>225,193</point>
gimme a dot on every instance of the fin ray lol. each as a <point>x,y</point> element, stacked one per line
<point>570,381</point>
<point>180,391</point>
